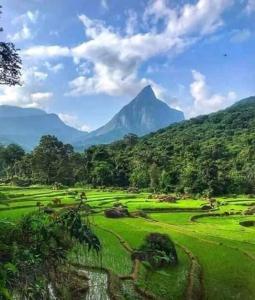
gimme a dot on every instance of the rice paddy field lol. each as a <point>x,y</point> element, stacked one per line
<point>216,253</point>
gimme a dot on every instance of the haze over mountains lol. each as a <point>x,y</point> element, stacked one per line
<point>144,114</point>
<point>25,126</point>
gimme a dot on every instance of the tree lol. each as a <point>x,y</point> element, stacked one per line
<point>10,63</point>
<point>11,155</point>
<point>51,162</point>
<point>154,173</point>
<point>102,174</point>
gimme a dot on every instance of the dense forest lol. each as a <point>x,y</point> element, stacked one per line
<point>212,154</point>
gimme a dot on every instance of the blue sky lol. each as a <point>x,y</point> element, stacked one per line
<point>85,59</point>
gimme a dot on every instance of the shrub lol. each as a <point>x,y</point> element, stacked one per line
<point>140,213</point>
<point>158,250</point>
<point>58,186</point>
<point>250,211</point>
<point>166,198</point>
<point>22,182</point>
<point>134,190</point>
<point>206,207</point>
<point>56,202</point>
<point>248,223</point>
<point>116,212</point>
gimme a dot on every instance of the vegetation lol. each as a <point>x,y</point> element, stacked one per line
<point>158,250</point>
<point>208,155</point>
<point>10,63</point>
<point>215,246</point>
<point>33,252</point>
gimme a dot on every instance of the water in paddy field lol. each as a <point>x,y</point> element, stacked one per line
<point>98,283</point>
<point>51,292</point>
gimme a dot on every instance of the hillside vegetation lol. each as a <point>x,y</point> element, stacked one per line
<point>207,154</point>
<point>211,154</point>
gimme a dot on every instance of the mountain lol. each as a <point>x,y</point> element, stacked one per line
<point>144,114</point>
<point>25,126</point>
<point>212,154</point>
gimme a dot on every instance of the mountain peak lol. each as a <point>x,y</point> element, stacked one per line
<point>146,94</point>
<point>144,114</point>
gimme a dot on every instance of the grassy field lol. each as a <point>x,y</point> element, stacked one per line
<point>216,254</point>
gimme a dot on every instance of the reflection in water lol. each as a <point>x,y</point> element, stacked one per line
<point>98,283</point>
<point>51,292</point>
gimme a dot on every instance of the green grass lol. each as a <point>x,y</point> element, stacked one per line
<point>224,249</point>
<point>113,256</point>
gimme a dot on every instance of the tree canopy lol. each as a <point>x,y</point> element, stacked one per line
<point>10,63</point>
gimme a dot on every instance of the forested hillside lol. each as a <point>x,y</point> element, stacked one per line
<point>212,154</point>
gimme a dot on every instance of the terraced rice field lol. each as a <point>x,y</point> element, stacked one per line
<point>216,254</point>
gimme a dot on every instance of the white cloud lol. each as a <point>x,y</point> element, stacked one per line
<point>24,34</point>
<point>30,94</point>
<point>54,68</point>
<point>29,16</point>
<point>37,97</point>
<point>250,7</point>
<point>132,22</point>
<point>240,35</point>
<point>33,16</point>
<point>116,57</point>
<point>204,100</point>
<point>73,121</point>
<point>43,52</point>
<point>25,20</point>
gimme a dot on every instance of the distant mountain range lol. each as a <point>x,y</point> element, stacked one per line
<point>25,126</point>
<point>144,114</point>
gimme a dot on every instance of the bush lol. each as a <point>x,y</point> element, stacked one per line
<point>134,190</point>
<point>206,207</point>
<point>250,211</point>
<point>116,212</point>
<point>140,213</point>
<point>248,223</point>
<point>58,186</point>
<point>158,250</point>
<point>22,182</point>
<point>166,198</point>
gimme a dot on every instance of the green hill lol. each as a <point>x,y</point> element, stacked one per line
<point>213,154</point>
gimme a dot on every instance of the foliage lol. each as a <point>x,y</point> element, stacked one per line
<point>208,155</point>
<point>116,212</point>
<point>158,250</point>
<point>32,250</point>
<point>10,63</point>
<point>211,154</point>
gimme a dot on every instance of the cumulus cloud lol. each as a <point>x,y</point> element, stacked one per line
<point>204,100</point>
<point>73,121</point>
<point>29,16</point>
<point>54,68</point>
<point>24,33</point>
<point>37,97</point>
<point>115,57</point>
<point>132,22</point>
<point>42,52</point>
<point>30,94</point>
<point>25,20</point>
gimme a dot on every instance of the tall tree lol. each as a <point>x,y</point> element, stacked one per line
<point>10,63</point>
